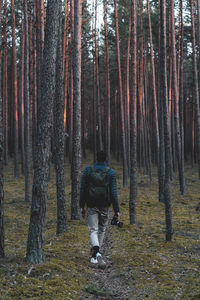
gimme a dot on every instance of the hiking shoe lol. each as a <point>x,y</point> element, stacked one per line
<point>101,262</point>
<point>94,260</point>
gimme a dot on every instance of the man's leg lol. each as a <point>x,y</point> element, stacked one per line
<point>93,221</point>
<point>103,222</point>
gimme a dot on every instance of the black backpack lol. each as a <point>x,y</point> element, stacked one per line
<point>98,187</point>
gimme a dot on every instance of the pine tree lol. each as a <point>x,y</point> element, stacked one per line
<point>35,253</point>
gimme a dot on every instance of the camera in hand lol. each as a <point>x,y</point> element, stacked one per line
<point>115,222</point>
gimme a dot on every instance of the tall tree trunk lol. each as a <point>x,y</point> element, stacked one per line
<point>153,84</point>
<point>35,253</point>
<point>21,96</point>
<point>2,254</point>
<point>15,100</point>
<point>128,95</point>
<point>31,77</point>
<point>27,107</point>
<point>66,60</point>
<point>72,78</point>
<point>196,85</point>
<point>5,85</point>
<point>181,93</point>
<point>59,135</point>
<point>133,114</point>
<point>107,84</point>
<point>198,12</point>
<point>76,140</point>
<point>164,99</point>
<point>177,121</point>
<point>124,153</point>
<point>99,140</point>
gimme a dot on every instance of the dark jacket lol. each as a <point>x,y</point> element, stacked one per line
<point>113,199</point>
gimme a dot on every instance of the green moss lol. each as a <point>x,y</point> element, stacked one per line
<point>156,269</point>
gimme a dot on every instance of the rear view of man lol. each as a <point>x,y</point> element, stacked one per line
<point>98,192</point>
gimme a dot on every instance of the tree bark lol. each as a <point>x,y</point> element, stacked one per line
<point>5,85</point>
<point>107,84</point>
<point>98,100</point>
<point>76,139</point>
<point>35,253</point>
<point>124,153</point>
<point>27,108</point>
<point>153,84</point>
<point>59,136</point>
<point>21,96</point>
<point>164,99</point>
<point>133,115</point>
<point>177,121</point>
<point>15,98</point>
<point>2,233</point>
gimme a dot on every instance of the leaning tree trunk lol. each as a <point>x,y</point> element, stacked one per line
<point>124,154</point>
<point>133,114</point>
<point>164,99</point>
<point>27,108</point>
<point>15,100</point>
<point>76,140</point>
<point>35,253</point>
<point>196,85</point>
<point>59,137</point>
<point>2,254</point>
<point>177,121</point>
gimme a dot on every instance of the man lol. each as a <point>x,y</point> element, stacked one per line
<point>98,191</point>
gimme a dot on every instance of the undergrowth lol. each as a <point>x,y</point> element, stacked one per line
<point>154,268</point>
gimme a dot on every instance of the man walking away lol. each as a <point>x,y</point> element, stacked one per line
<point>98,192</point>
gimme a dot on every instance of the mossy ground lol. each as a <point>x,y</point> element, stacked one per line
<point>154,268</point>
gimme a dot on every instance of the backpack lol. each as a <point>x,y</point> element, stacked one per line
<point>98,187</point>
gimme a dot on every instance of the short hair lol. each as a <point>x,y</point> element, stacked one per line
<point>101,156</point>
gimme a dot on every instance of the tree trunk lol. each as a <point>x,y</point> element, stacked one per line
<point>133,114</point>
<point>21,96</point>
<point>5,85</point>
<point>15,100</point>
<point>35,253</point>
<point>164,99</point>
<point>76,139</point>
<point>107,84</point>
<point>66,60</point>
<point>99,140</point>
<point>153,84</point>
<point>59,136</point>
<point>124,153</point>
<point>196,85</point>
<point>72,78</point>
<point>27,108</point>
<point>181,93</point>
<point>2,254</point>
<point>177,121</point>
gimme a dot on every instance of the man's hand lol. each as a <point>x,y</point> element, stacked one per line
<point>83,212</point>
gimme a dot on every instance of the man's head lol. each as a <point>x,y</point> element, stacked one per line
<point>101,156</point>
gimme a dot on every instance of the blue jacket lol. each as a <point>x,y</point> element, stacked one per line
<point>112,185</point>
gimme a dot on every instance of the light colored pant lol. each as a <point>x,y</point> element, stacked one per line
<point>97,222</point>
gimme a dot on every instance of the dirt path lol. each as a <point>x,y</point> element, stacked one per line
<point>107,283</point>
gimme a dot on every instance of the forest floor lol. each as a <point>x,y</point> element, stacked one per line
<point>140,263</point>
